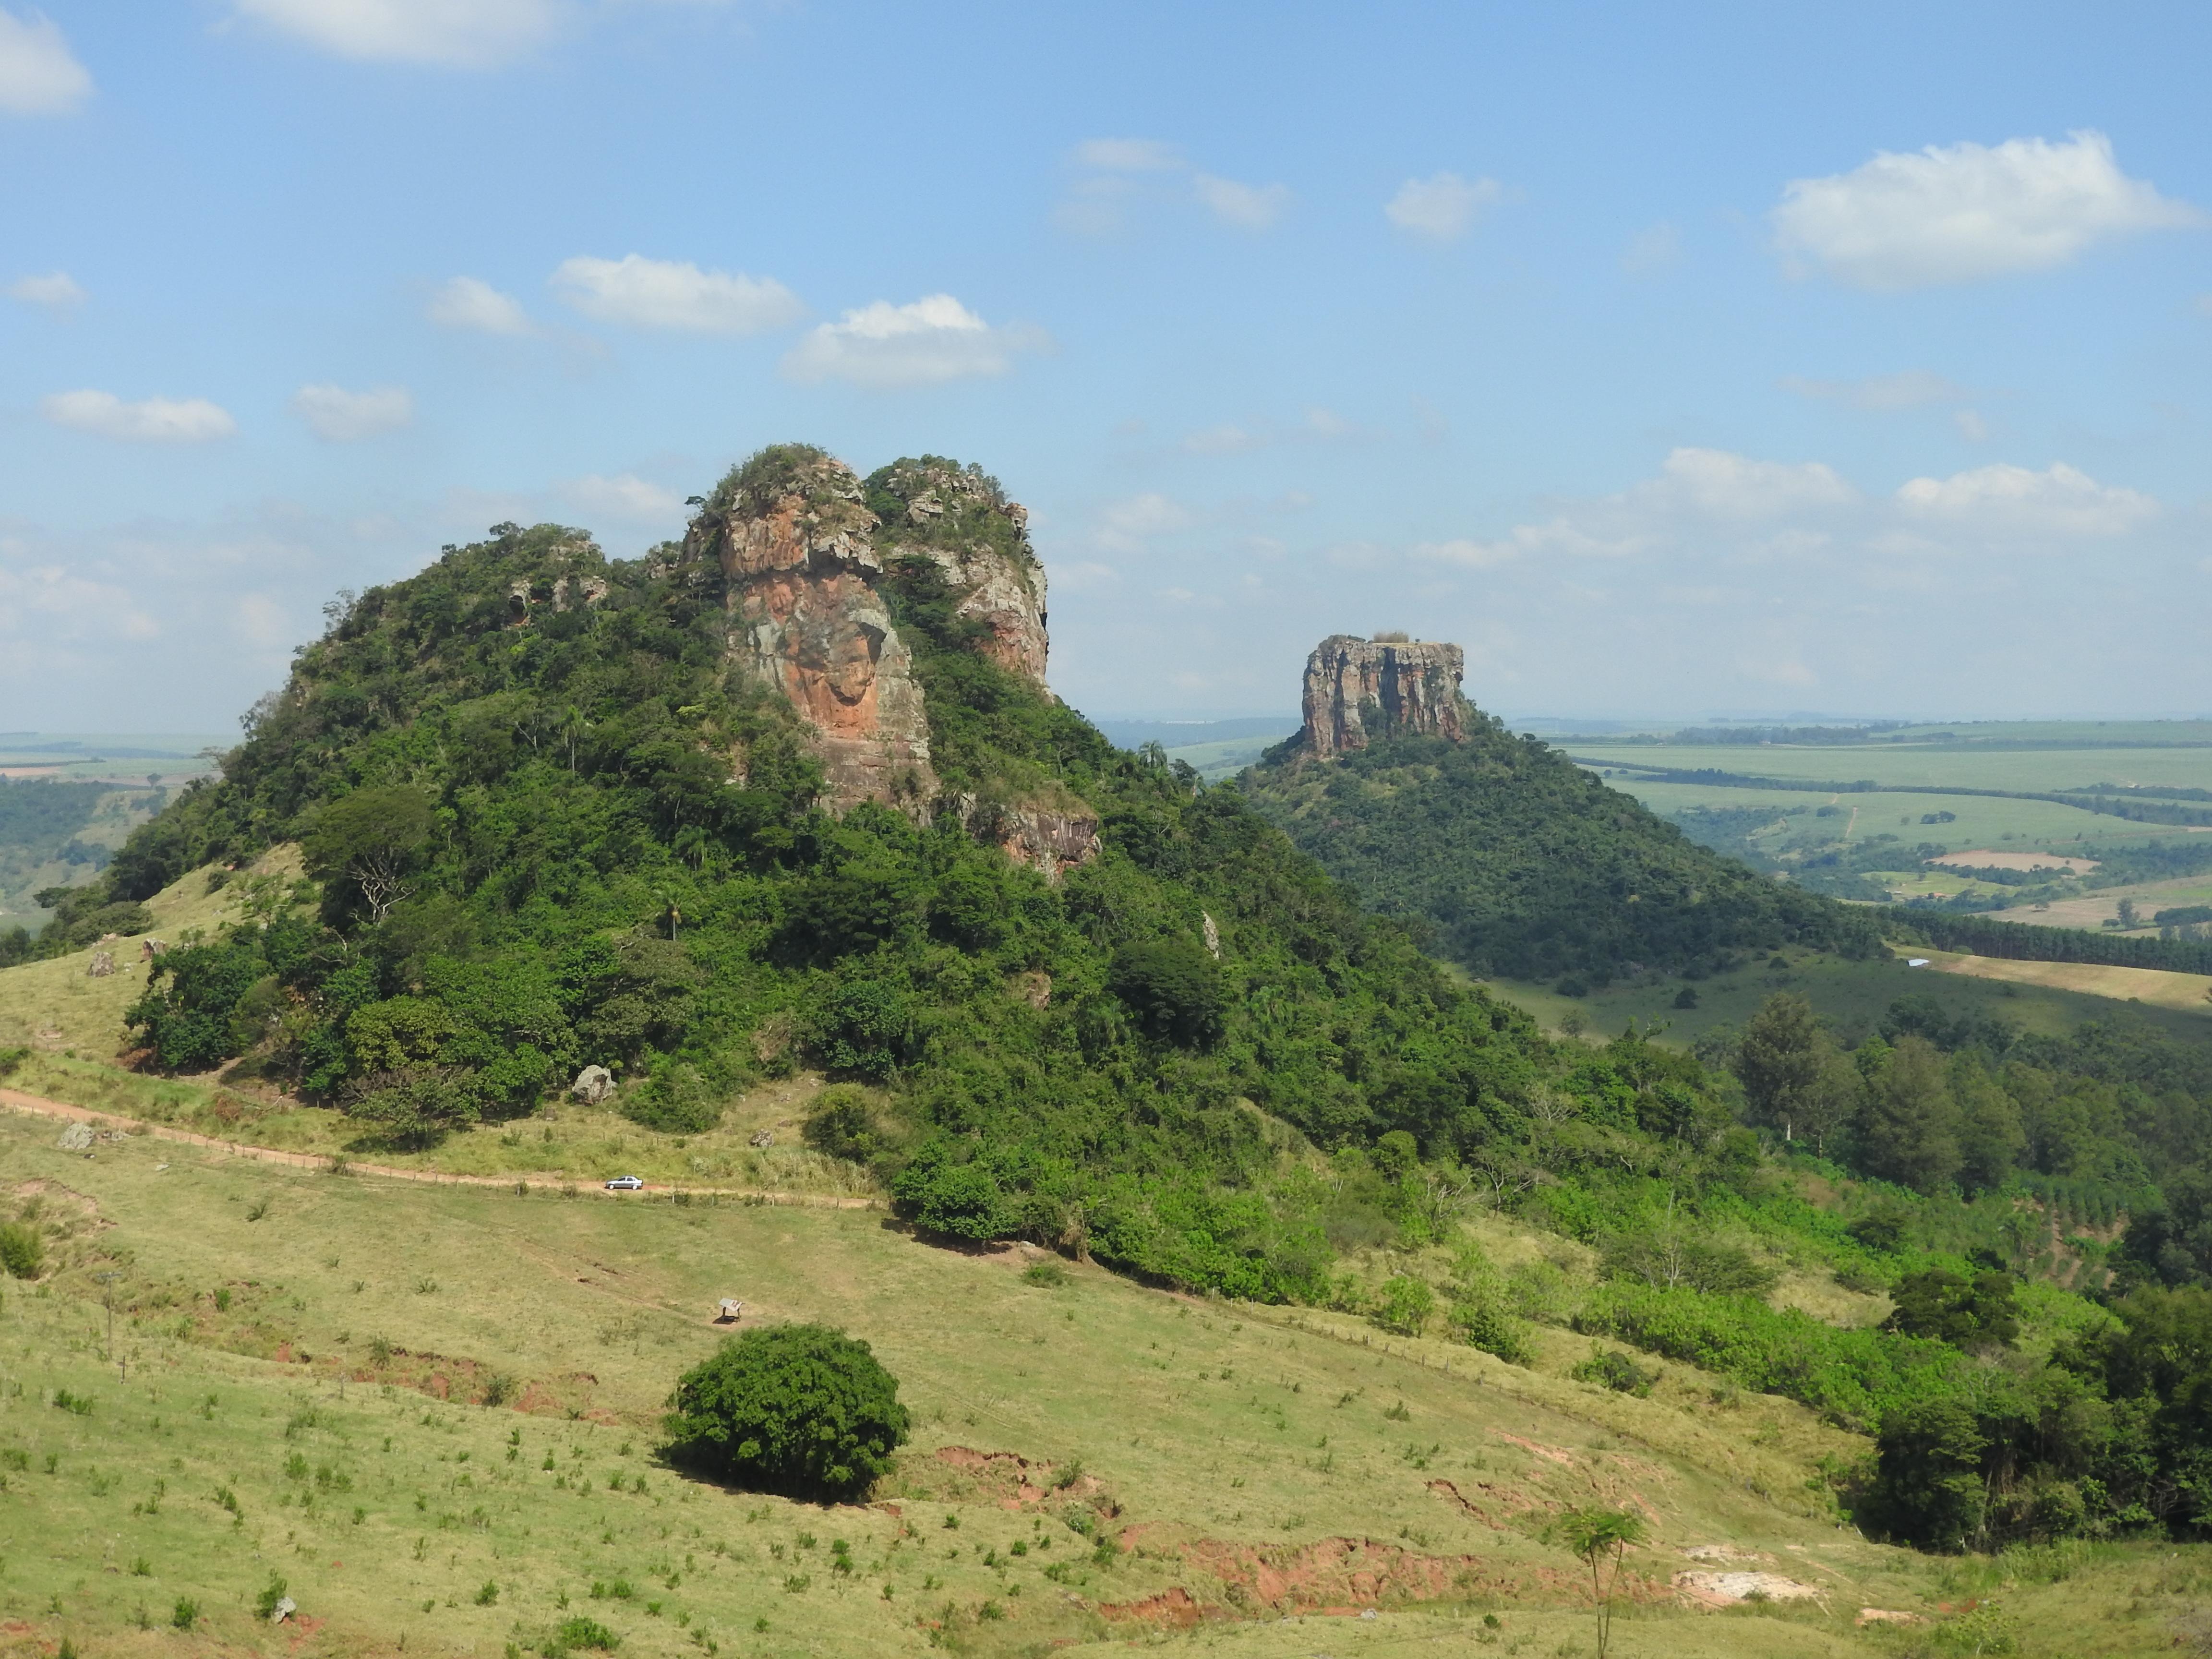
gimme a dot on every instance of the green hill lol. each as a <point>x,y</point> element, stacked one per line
<point>777,829</point>
<point>1524,865</point>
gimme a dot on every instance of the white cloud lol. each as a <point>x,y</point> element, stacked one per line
<point>453,33</point>
<point>340,417</point>
<point>56,291</point>
<point>151,420</point>
<point>38,76</point>
<point>671,294</point>
<point>2012,500</point>
<point>1716,481</point>
<point>1222,441</point>
<point>1652,249</point>
<point>933,340</point>
<point>1248,207</point>
<point>1972,426</point>
<point>2203,305</point>
<point>1911,388</point>
<point>1968,211</point>
<point>624,496</point>
<point>471,302</point>
<point>1442,207</point>
<point>1129,526</point>
<point>1559,537</point>
<point>1128,155</point>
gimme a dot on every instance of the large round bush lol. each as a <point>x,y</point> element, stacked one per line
<point>799,1409</point>
<point>1173,987</point>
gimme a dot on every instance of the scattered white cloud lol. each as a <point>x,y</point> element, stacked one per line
<point>1652,249</point>
<point>2012,501</point>
<point>625,496</point>
<point>151,420</point>
<point>1442,207</point>
<point>1316,425</point>
<point>39,74</point>
<point>1248,207</point>
<point>1128,155</point>
<point>451,34</point>
<point>675,295</point>
<point>1222,441</point>
<point>1726,485</point>
<point>1967,211</point>
<point>1972,426</point>
<point>339,416</point>
<point>472,303</point>
<point>1911,388</point>
<point>933,340</point>
<point>56,291</point>
<point>1126,525</point>
<point>1560,538</point>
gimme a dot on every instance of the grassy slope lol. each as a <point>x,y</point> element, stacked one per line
<point>56,997</point>
<point>1257,1428</point>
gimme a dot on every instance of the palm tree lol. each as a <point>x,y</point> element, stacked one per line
<point>1593,1534</point>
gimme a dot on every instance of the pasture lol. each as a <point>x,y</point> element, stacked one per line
<point>431,1413</point>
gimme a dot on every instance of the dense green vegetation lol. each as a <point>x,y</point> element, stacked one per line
<point>1525,864</point>
<point>547,825</point>
<point>796,1409</point>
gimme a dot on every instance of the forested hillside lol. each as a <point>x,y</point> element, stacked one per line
<point>1524,864</point>
<point>553,820</point>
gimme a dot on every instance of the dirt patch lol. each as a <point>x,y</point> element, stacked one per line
<point>1726,1589</point>
<point>1176,1608</point>
<point>1014,1482</point>
<point>1887,1616</point>
<point>1491,1502</point>
<point>1724,1553</point>
<point>1559,1455</point>
<point>1338,1576</point>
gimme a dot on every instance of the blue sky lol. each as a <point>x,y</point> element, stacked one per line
<point>1753,360</point>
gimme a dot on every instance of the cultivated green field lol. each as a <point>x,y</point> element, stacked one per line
<point>430,1412</point>
<point>1977,766</point>
<point>1852,997</point>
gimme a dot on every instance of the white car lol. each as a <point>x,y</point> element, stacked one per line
<point>625,1184</point>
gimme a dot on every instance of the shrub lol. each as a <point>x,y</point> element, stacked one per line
<point>1610,1368</point>
<point>581,1632</point>
<point>801,1409</point>
<point>1405,1305</point>
<point>22,1251</point>
<point>1481,1323</point>
<point>842,1124</point>
<point>186,1613</point>
<point>264,1605</point>
<point>1047,1273</point>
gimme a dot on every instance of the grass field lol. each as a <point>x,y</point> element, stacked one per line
<point>1853,996</point>
<point>1980,820</point>
<point>1964,766</point>
<point>299,1382</point>
<point>2151,986</point>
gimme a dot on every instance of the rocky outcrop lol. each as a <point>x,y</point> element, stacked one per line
<point>1050,840</point>
<point>1360,691</point>
<point>800,570</point>
<point>959,520</point>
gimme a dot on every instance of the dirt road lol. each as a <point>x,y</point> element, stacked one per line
<point>15,1101</point>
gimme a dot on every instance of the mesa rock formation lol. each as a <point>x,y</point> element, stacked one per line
<point>1360,691</point>
<point>800,576</point>
<point>961,522</point>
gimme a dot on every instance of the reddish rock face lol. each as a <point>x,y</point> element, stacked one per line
<point>961,522</point>
<point>799,576</point>
<point>1361,691</point>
